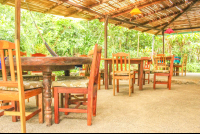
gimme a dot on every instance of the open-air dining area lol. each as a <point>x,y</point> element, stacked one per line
<point>114,66</point>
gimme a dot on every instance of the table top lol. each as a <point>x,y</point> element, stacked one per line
<point>136,59</point>
<point>50,63</point>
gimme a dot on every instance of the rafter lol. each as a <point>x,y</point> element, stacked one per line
<point>185,10</point>
<point>82,7</point>
<point>140,6</point>
<point>156,26</point>
<point>161,10</point>
<point>160,18</point>
<point>186,28</point>
<point>5,1</point>
<point>128,22</point>
<point>54,6</point>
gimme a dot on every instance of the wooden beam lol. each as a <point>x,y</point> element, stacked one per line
<point>186,28</point>
<point>161,10</point>
<point>185,10</point>
<point>140,6</point>
<point>128,22</point>
<point>82,7</point>
<point>156,27</point>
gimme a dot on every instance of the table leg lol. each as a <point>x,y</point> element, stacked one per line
<point>67,72</point>
<point>106,74</point>
<point>47,97</point>
<point>140,75</point>
<point>110,76</point>
<point>177,71</point>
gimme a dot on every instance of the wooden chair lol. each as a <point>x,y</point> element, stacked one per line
<point>161,62</point>
<point>147,66</point>
<point>17,90</point>
<point>159,72</point>
<point>182,66</point>
<point>79,87</point>
<point>122,71</point>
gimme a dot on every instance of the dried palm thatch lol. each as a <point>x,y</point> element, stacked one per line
<point>157,15</point>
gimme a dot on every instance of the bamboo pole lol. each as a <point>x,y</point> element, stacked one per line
<point>105,50</point>
<point>163,33</point>
<point>19,69</point>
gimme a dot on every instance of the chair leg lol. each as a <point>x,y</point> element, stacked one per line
<point>103,78</point>
<point>148,78</point>
<point>61,100</point>
<point>133,85</point>
<point>56,106</point>
<point>144,79</point>
<point>36,98</point>
<point>118,85</point>
<point>134,77</point>
<point>169,81</point>
<point>182,71</point>
<point>89,109</point>
<point>14,105</point>
<point>154,82</point>
<point>130,88</point>
<point>41,106</point>
<point>99,78</point>
<point>113,87</point>
<point>66,102</point>
<point>22,114</point>
<point>185,71</point>
<point>94,103</point>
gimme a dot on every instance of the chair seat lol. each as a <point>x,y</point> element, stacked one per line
<point>71,83</point>
<point>146,70</point>
<point>27,86</point>
<point>62,78</point>
<point>101,70</point>
<point>122,74</point>
<point>161,71</point>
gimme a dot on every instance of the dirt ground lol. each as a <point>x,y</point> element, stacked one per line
<point>146,111</point>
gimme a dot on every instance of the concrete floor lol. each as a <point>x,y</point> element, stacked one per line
<point>146,111</point>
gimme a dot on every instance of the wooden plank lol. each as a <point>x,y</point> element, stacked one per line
<point>105,50</point>
<point>72,110</point>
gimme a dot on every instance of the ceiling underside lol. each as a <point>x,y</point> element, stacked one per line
<point>157,15</point>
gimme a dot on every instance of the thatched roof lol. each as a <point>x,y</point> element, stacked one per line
<point>157,15</point>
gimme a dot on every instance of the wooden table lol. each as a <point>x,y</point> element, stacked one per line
<point>108,63</point>
<point>47,65</point>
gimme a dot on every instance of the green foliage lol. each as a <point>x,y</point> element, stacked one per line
<point>69,37</point>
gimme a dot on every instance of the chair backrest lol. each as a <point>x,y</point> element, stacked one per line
<point>159,62</point>
<point>94,72</point>
<point>5,45</point>
<point>122,61</point>
<point>147,63</point>
<point>184,60</point>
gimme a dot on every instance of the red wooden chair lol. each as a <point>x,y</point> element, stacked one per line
<point>122,71</point>
<point>158,71</point>
<point>80,86</point>
<point>147,66</point>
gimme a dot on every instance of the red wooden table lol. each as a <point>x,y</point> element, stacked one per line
<point>108,64</point>
<point>47,65</point>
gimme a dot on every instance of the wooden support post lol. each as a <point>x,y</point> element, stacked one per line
<point>153,45</point>
<point>19,68</point>
<point>138,45</point>
<point>163,33</point>
<point>105,51</point>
